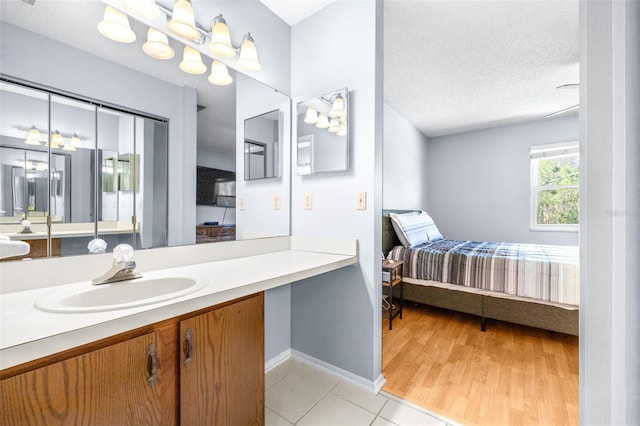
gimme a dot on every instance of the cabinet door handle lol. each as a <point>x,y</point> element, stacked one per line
<point>188,347</point>
<point>152,365</point>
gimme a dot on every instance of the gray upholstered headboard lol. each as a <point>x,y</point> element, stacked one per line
<point>389,237</point>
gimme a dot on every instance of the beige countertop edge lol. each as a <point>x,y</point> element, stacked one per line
<point>131,319</point>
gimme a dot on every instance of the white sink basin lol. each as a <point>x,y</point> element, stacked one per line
<point>120,295</point>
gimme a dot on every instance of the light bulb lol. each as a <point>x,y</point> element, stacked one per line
<point>248,59</point>
<point>33,137</point>
<point>144,8</point>
<point>323,121</point>
<point>183,21</point>
<point>220,43</point>
<point>192,61</point>
<point>219,74</point>
<point>311,117</point>
<point>157,45</point>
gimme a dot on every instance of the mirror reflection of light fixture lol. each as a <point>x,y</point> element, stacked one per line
<point>220,43</point>
<point>334,125</point>
<point>75,141</point>
<point>219,74</point>
<point>56,140</point>
<point>144,8</point>
<point>323,121</point>
<point>115,26</point>
<point>337,107</point>
<point>157,45</point>
<point>342,131</point>
<point>311,116</point>
<point>68,147</point>
<point>33,137</point>
<point>248,60</point>
<point>192,61</point>
<point>41,166</point>
<point>183,20</point>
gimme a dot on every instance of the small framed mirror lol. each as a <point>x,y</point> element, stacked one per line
<point>262,136</point>
<point>323,134</point>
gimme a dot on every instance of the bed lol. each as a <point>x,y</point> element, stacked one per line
<point>526,284</point>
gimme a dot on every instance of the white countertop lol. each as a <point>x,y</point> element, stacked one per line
<point>27,333</point>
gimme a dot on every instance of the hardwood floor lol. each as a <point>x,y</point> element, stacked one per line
<point>509,375</point>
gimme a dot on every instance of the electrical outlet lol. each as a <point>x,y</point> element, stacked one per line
<point>308,199</point>
<point>361,201</point>
<point>241,205</point>
<point>276,202</point>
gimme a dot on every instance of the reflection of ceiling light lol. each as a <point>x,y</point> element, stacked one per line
<point>115,25</point>
<point>334,125</point>
<point>144,8</point>
<point>248,59</point>
<point>311,117</point>
<point>183,21</point>
<point>219,74</point>
<point>192,61</point>
<point>157,45</point>
<point>75,141</point>
<point>337,108</point>
<point>220,43</point>
<point>56,140</point>
<point>33,138</point>
<point>68,147</point>
<point>323,121</point>
<point>42,166</point>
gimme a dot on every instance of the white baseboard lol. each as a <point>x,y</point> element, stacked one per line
<point>371,386</point>
<point>277,360</point>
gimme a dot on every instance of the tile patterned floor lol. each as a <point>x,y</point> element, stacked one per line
<point>298,394</point>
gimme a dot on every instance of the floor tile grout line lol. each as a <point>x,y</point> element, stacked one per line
<point>317,402</point>
<point>358,405</point>
<point>447,421</point>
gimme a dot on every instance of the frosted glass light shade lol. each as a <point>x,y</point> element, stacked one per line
<point>75,141</point>
<point>192,61</point>
<point>311,117</point>
<point>183,21</point>
<point>248,59</point>
<point>68,147</point>
<point>56,140</point>
<point>157,45</point>
<point>337,108</point>
<point>144,8</point>
<point>220,43</point>
<point>334,125</point>
<point>323,121</point>
<point>41,167</point>
<point>33,137</point>
<point>342,131</point>
<point>115,25</point>
<point>219,74</point>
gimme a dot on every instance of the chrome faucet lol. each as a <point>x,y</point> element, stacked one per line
<point>122,269</point>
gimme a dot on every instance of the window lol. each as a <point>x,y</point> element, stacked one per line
<point>555,176</point>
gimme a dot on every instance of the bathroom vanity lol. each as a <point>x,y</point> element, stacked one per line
<point>197,359</point>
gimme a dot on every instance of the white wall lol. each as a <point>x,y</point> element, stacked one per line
<point>478,183</point>
<point>336,317</point>
<point>404,163</point>
<point>610,213</point>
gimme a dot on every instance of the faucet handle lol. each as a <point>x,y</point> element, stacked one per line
<point>122,253</point>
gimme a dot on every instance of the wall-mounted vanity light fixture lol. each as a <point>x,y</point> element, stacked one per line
<point>334,119</point>
<point>181,21</point>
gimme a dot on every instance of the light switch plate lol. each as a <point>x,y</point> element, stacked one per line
<point>308,201</point>
<point>361,201</point>
<point>276,202</point>
<point>241,205</point>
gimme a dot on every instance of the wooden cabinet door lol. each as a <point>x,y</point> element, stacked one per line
<point>222,365</point>
<point>109,386</point>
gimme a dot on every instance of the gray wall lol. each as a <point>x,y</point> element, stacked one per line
<point>478,182</point>
<point>405,171</point>
<point>336,317</point>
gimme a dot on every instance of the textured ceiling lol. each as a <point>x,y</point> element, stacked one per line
<point>455,66</point>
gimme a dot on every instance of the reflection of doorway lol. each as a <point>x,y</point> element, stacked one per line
<point>305,155</point>
<point>255,159</point>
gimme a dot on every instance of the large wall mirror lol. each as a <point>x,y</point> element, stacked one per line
<point>323,133</point>
<point>127,87</point>
<point>75,171</point>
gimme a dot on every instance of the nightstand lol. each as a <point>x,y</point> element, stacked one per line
<point>392,278</point>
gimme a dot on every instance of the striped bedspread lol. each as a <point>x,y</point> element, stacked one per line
<point>547,273</point>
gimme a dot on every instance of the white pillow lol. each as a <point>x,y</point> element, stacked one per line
<point>415,228</point>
